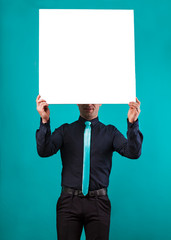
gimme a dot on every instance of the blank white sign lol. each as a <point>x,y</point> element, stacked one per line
<point>86,56</point>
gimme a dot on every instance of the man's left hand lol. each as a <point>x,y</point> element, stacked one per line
<point>134,110</point>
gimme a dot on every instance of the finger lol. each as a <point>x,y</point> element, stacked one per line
<point>138,101</point>
<point>136,108</point>
<point>133,108</point>
<point>41,100</point>
<point>134,104</point>
<point>38,97</point>
<point>43,104</point>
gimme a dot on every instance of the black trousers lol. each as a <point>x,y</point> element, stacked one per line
<point>75,212</point>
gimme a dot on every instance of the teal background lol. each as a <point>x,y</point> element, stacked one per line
<point>139,190</point>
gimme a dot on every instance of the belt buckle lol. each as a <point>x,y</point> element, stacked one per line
<point>91,193</point>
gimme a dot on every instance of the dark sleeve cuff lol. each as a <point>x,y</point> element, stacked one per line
<point>134,124</point>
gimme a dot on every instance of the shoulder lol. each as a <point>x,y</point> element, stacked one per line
<point>108,127</point>
<point>66,126</point>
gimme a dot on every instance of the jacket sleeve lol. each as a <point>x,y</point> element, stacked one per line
<point>130,147</point>
<point>48,144</point>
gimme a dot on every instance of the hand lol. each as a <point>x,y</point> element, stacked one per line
<point>134,110</point>
<point>42,108</point>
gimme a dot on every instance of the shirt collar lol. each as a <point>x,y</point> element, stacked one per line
<point>93,121</point>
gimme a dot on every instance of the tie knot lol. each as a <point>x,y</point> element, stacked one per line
<point>87,123</point>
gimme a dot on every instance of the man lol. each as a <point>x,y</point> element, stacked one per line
<point>86,147</point>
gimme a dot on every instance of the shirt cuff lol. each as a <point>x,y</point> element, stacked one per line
<point>134,124</point>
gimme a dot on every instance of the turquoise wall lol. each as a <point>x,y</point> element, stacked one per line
<point>140,190</point>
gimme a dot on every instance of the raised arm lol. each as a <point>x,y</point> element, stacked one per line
<point>130,147</point>
<point>47,143</point>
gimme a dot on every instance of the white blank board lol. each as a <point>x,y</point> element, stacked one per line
<point>86,56</point>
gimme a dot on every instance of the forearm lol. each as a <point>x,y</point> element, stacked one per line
<point>130,147</point>
<point>42,139</point>
<point>134,140</point>
<point>45,146</point>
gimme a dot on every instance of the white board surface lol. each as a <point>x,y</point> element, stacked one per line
<point>86,56</point>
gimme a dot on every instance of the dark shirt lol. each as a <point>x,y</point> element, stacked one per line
<point>105,139</point>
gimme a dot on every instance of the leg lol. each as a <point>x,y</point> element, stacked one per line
<point>68,220</point>
<point>97,222</point>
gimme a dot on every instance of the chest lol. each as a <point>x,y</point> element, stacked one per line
<point>100,141</point>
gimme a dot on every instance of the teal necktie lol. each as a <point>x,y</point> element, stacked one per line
<point>86,158</point>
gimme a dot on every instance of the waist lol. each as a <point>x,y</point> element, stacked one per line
<point>98,192</point>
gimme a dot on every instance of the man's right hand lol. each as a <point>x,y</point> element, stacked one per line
<point>42,108</point>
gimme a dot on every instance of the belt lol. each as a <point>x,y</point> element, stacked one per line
<point>102,191</point>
